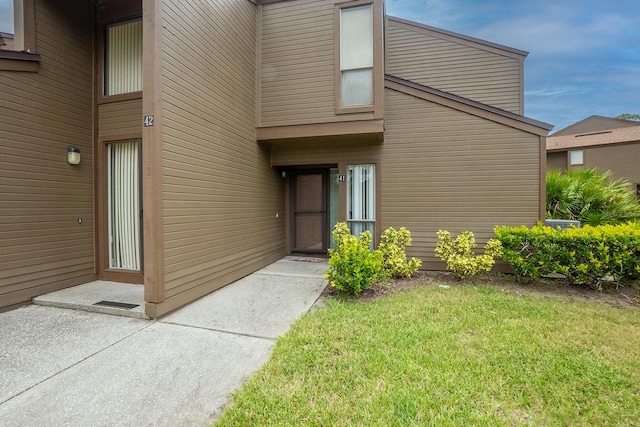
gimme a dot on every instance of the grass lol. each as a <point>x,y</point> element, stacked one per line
<point>450,357</point>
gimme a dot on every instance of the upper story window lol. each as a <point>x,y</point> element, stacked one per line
<point>356,56</point>
<point>123,58</point>
<point>18,36</point>
<point>576,157</point>
<point>6,25</point>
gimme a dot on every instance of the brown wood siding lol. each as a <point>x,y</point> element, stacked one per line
<point>220,195</point>
<point>621,159</point>
<point>298,64</point>
<point>43,246</point>
<point>445,169</point>
<point>557,160</point>
<point>439,62</point>
<point>120,118</point>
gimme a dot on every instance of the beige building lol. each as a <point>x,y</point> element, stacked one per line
<point>217,137</point>
<point>598,142</point>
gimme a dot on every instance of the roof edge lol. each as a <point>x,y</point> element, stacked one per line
<point>470,103</point>
<point>459,36</point>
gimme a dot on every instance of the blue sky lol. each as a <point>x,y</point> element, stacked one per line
<point>584,55</point>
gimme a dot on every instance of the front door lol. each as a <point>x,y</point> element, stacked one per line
<point>309,211</point>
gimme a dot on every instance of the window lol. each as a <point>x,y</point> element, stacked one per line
<point>17,25</point>
<point>576,157</point>
<point>6,25</point>
<point>356,56</point>
<point>123,58</point>
<point>124,201</point>
<point>638,190</point>
<point>361,198</point>
<point>18,36</point>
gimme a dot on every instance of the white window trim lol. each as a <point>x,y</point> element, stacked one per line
<point>576,162</point>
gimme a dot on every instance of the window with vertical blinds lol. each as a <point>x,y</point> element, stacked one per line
<point>123,58</point>
<point>361,198</point>
<point>356,56</point>
<point>123,204</point>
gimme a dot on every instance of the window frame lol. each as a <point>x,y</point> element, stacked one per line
<point>570,159</point>
<point>376,106</point>
<point>102,63</point>
<point>23,56</point>
<point>372,217</point>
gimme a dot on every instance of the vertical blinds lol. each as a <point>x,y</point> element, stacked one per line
<point>123,194</point>
<point>123,71</point>
<point>361,198</point>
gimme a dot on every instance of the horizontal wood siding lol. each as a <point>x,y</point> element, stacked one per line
<point>439,62</point>
<point>298,64</point>
<point>557,160</point>
<point>220,195</point>
<point>445,169</point>
<point>621,159</point>
<point>120,118</point>
<point>43,247</point>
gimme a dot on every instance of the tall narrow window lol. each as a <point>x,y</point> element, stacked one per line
<point>356,56</point>
<point>361,198</point>
<point>123,58</point>
<point>123,195</point>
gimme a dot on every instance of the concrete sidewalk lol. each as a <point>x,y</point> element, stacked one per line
<point>75,368</point>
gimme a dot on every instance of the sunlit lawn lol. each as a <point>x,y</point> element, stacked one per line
<point>450,357</point>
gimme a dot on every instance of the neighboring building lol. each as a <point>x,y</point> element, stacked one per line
<point>600,142</point>
<point>218,137</point>
<point>6,41</point>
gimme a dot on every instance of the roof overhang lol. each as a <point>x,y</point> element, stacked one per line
<point>468,106</point>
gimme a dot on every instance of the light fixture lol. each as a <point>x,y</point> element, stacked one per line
<point>283,173</point>
<point>73,155</point>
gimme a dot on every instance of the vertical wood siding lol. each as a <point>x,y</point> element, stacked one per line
<point>42,245</point>
<point>471,72</point>
<point>220,195</point>
<point>298,64</point>
<point>445,169</point>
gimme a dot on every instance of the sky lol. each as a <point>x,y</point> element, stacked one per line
<point>584,55</point>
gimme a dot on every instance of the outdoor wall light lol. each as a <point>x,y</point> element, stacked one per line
<point>73,155</point>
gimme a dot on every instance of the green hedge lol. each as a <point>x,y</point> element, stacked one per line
<point>592,256</point>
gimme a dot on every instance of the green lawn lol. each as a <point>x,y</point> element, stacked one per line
<point>450,357</point>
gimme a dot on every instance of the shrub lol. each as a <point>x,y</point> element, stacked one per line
<point>590,197</point>
<point>591,256</point>
<point>393,246</point>
<point>353,267</point>
<point>459,253</point>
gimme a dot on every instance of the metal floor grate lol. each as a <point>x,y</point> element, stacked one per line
<point>115,304</point>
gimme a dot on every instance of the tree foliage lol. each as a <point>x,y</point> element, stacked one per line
<point>591,197</point>
<point>627,116</point>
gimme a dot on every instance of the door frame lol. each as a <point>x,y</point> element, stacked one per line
<point>101,214</point>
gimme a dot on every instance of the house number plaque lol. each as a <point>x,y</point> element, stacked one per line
<point>342,178</point>
<point>148,121</point>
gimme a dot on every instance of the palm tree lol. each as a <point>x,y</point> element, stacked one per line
<point>591,197</point>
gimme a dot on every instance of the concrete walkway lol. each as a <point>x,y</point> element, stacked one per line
<point>63,367</point>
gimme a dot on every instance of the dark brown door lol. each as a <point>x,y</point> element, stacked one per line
<point>309,213</point>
